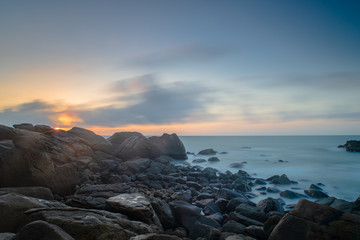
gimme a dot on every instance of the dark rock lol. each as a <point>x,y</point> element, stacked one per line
<point>236,165</point>
<point>136,206</point>
<point>218,217</point>
<point>234,202</point>
<point>7,236</point>
<point>163,211</point>
<point>256,232</point>
<point>338,204</point>
<point>260,188</point>
<point>134,166</point>
<point>41,230</point>
<point>283,179</point>
<point>183,196</point>
<point>243,187</point>
<point>271,223</point>
<point>203,231</point>
<point>260,181</point>
<point>95,141</point>
<point>211,208</point>
<point>185,214</point>
<point>272,190</point>
<point>35,192</point>
<point>352,146</point>
<point>84,224</point>
<point>315,193</point>
<point>244,220</point>
<point>198,160</point>
<point>291,194</point>
<point>207,152</point>
<point>269,204</point>
<point>209,173</point>
<point>238,237</point>
<point>233,226</point>
<point>155,236</point>
<point>229,194</point>
<point>251,212</point>
<point>205,196</point>
<point>310,220</point>
<point>213,159</point>
<point>169,145</point>
<point>222,203</point>
<point>315,187</point>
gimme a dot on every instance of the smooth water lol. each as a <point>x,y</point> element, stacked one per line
<point>307,159</point>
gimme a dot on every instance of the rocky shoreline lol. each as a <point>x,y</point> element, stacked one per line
<point>75,184</point>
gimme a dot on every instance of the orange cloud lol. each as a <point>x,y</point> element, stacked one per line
<point>65,119</point>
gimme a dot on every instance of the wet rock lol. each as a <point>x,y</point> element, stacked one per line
<point>169,145</point>
<point>352,146</point>
<point>291,194</point>
<point>229,194</point>
<point>209,151</point>
<point>164,213</point>
<point>272,190</point>
<point>136,206</point>
<point>211,208</point>
<point>260,188</point>
<point>256,232</point>
<point>260,181</point>
<point>310,220</point>
<point>155,236</point>
<point>234,202</point>
<point>315,193</point>
<point>183,196</point>
<point>338,204</point>
<point>213,159</point>
<point>41,230</point>
<point>271,223</point>
<point>239,237</point>
<point>244,220</point>
<point>270,204</point>
<point>283,179</point>
<point>233,226</point>
<point>243,187</point>
<point>7,236</point>
<point>251,212</point>
<point>315,187</point>
<point>35,192</point>
<point>222,203</point>
<point>236,165</point>
<point>198,160</point>
<point>209,173</point>
<point>185,214</point>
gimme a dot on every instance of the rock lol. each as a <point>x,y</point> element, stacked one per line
<point>185,214</point>
<point>134,166</point>
<point>134,205</point>
<point>283,179</point>
<point>229,194</point>
<point>7,236</point>
<point>13,206</point>
<point>35,192</point>
<point>315,187</point>
<point>244,220</point>
<point>269,204</point>
<point>243,187</point>
<point>272,190</point>
<point>209,173</point>
<point>170,145</point>
<point>41,230</point>
<point>271,223</point>
<point>233,226</point>
<point>164,213</point>
<point>198,160</point>
<point>260,188</point>
<point>236,165</point>
<point>239,237</point>
<point>315,193</point>
<point>234,202</point>
<point>183,196</point>
<point>25,126</point>
<point>207,152</point>
<point>202,231</point>
<point>84,224</point>
<point>256,232</point>
<point>352,146</point>
<point>211,208</point>
<point>251,212</point>
<point>260,181</point>
<point>310,220</point>
<point>338,204</point>
<point>222,203</point>
<point>213,159</point>
<point>95,141</point>
<point>291,194</point>
<point>155,236</point>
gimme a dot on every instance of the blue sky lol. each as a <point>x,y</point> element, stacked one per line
<point>193,67</point>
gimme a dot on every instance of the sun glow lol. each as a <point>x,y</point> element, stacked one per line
<point>65,119</point>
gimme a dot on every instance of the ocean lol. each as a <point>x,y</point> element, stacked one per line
<point>305,159</point>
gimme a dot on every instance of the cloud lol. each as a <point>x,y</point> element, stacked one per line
<point>183,54</point>
<point>148,101</point>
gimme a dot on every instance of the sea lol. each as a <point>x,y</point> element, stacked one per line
<point>304,159</point>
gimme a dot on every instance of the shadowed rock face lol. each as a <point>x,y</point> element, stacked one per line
<point>95,141</point>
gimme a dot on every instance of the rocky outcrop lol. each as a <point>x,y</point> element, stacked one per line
<point>209,151</point>
<point>96,142</point>
<point>310,220</point>
<point>169,145</point>
<point>35,192</point>
<point>351,146</point>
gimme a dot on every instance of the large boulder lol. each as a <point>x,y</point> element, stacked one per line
<point>163,211</point>
<point>352,146</point>
<point>270,204</point>
<point>41,230</point>
<point>170,145</point>
<point>35,192</point>
<point>136,206</point>
<point>310,220</point>
<point>95,141</point>
<point>84,224</point>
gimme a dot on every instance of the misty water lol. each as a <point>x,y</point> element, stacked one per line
<point>306,159</point>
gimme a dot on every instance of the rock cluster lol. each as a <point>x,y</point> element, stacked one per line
<point>126,187</point>
<point>351,146</point>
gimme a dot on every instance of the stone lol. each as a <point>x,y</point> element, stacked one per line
<point>185,214</point>
<point>213,159</point>
<point>239,237</point>
<point>315,193</point>
<point>211,208</point>
<point>338,204</point>
<point>270,204</point>
<point>234,202</point>
<point>251,212</point>
<point>233,226</point>
<point>271,223</point>
<point>310,220</point>
<point>209,173</point>
<point>283,179</point>
<point>134,166</point>
<point>256,232</point>
<point>183,196</point>
<point>134,205</point>
<point>155,236</point>
<point>291,194</point>
<point>272,190</point>
<point>209,151</point>
<point>243,187</point>
<point>352,146</point>
<point>95,141</point>
<point>236,165</point>
<point>7,236</point>
<point>25,126</point>
<point>164,213</point>
<point>83,224</point>
<point>244,220</point>
<point>35,192</point>
<point>229,194</point>
<point>170,145</point>
<point>260,181</point>
<point>41,230</point>
<point>315,187</point>
<point>198,160</point>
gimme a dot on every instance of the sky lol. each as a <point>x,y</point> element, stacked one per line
<point>232,67</point>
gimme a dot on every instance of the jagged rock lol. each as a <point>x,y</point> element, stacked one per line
<point>35,192</point>
<point>209,151</point>
<point>310,220</point>
<point>95,141</point>
<point>291,194</point>
<point>269,204</point>
<point>84,224</point>
<point>315,193</point>
<point>13,206</point>
<point>185,214</point>
<point>134,205</point>
<point>25,126</point>
<point>260,181</point>
<point>256,232</point>
<point>211,208</point>
<point>41,230</point>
